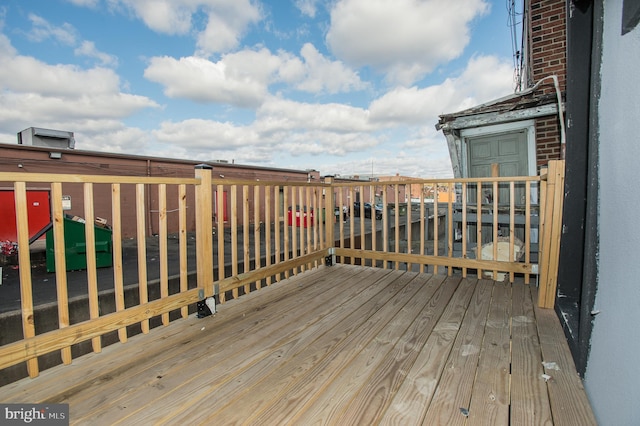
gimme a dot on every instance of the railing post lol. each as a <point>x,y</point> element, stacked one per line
<point>24,262</point>
<point>204,236</point>
<point>330,217</point>
<point>552,230</point>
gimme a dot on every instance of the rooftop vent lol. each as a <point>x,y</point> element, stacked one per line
<point>48,138</point>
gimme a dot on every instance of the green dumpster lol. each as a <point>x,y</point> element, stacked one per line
<point>75,247</point>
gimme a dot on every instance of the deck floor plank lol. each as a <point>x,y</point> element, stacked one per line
<point>338,395</point>
<point>569,402</point>
<point>374,397</point>
<point>529,396</point>
<point>411,402</point>
<point>341,345</point>
<point>314,345</point>
<point>299,382</point>
<point>195,342</point>
<point>56,388</point>
<point>453,394</point>
<point>490,394</point>
<point>194,377</point>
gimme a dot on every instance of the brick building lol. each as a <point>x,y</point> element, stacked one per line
<point>16,158</point>
<point>522,131</point>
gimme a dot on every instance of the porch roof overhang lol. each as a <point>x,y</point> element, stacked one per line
<point>495,117</point>
<point>513,108</point>
<point>510,108</point>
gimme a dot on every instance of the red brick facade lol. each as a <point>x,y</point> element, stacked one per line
<point>20,159</point>
<point>547,140</point>
<point>547,44</point>
<point>548,40</point>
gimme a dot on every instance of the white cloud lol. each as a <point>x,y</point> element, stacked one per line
<point>485,78</point>
<point>111,136</point>
<point>280,114</point>
<point>42,30</point>
<point>307,7</point>
<point>282,126</point>
<point>201,80</point>
<point>227,20</point>
<point>6,49</point>
<point>326,75</point>
<point>88,48</point>
<point>86,3</point>
<point>243,78</point>
<point>328,143</point>
<point>163,16</point>
<point>205,134</point>
<point>33,93</point>
<point>66,34</point>
<point>405,39</point>
<point>402,121</point>
<point>395,134</point>
<point>28,75</point>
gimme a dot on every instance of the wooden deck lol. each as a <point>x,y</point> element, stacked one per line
<point>342,345</point>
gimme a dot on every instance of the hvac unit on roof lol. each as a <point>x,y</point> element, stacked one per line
<point>48,138</point>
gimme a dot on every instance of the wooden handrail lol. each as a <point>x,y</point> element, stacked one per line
<point>289,237</point>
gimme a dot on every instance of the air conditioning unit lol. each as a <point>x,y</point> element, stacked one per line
<point>48,138</point>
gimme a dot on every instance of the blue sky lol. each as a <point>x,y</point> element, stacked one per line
<point>347,87</point>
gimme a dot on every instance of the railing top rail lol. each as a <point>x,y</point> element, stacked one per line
<point>77,178</point>
<point>255,182</point>
<point>418,181</point>
<point>69,178</point>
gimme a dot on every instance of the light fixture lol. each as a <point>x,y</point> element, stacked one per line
<point>55,155</point>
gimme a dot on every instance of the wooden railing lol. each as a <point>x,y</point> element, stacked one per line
<point>250,234</point>
<point>498,227</point>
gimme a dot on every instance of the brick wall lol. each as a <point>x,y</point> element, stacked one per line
<point>547,140</point>
<point>548,47</point>
<point>548,42</point>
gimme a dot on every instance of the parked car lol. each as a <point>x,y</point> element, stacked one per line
<point>367,210</point>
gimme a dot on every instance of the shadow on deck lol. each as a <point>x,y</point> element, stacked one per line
<point>336,345</point>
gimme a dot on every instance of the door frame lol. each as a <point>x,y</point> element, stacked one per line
<point>529,127</point>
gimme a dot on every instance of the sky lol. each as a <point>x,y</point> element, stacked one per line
<point>345,87</point>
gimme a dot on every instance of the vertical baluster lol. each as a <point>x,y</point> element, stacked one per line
<point>496,196</point>
<point>245,234</point>
<point>512,225</point>
<point>141,242</point>
<point>92,274</point>
<point>527,228</point>
<point>221,207</point>
<point>436,226</point>
<point>24,265</point>
<point>465,231</point>
<point>408,222</point>
<point>256,230</point>
<point>289,222</point>
<point>60,262</point>
<point>479,224</point>
<point>182,241</point>
<point>267,225</point>
<point>234,236</point>
<point>385,224</point>
<point>422,225</point>
<point>396,197</point>
<point>276,217</point>
<point>450,227</point>
<point>163,244</point>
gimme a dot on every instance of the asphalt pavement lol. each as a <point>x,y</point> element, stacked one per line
<point>44,283</point>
